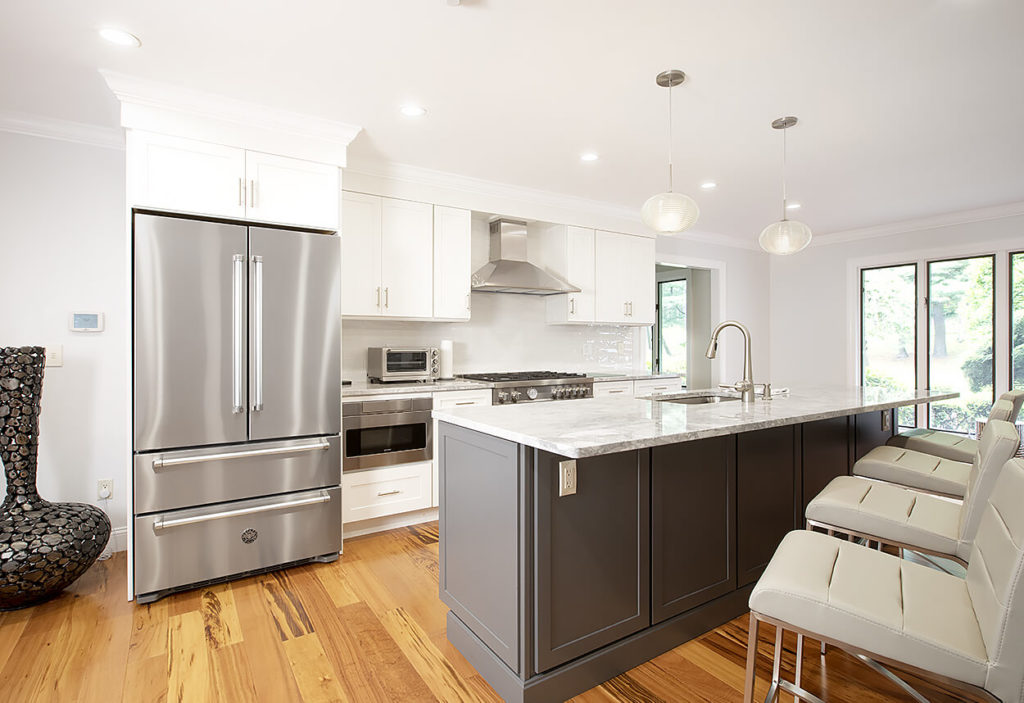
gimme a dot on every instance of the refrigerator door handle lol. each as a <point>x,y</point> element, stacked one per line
<point>237,331</point>
<point>161,524</point>
<point>322,445</point>
<point>257,325</point>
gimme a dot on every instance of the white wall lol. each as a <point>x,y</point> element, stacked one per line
<point>814,293</point>
<point>62,249</point>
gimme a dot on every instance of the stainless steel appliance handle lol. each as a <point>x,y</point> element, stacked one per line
<point>237,331</point>
<point>257,324</point>
<point>161,524</point>
<point>161,463</point>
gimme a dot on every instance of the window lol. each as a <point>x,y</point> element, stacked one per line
<point>1017,320</point>
<point>889,331</point>
<point>670,328</point>
<point>961,329</point>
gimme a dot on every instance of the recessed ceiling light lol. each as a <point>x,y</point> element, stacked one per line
<point>410,110</point>
<point>708,185</point>
<point>588,156</point>
<point>120,37</point>
<point>792,206</point>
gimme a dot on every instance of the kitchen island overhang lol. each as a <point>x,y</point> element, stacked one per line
<point>676,512</point>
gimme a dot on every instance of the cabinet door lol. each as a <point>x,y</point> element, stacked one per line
<point>182,175</point>
<point>765,497</point>
<point>407,250</point>
<point>580,273</point>
<point>872,430</point>
<point>826,454</point>
<point>693,509</point>
<point>389,490</point>
<point>641,281</point>
<point>592,556</point>
<point>612,258</point>
<point>623,389</point>
<point>291,191</point>
<point>360,254</point>
<point>452,263</point>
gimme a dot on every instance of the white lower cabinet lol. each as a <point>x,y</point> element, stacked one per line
<point>388,490</point>
<point>604,389</point>
<point>651,386</point>
<point>454,399</point>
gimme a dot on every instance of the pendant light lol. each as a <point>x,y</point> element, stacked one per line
<point>785,236</point>
<point>670,212</point>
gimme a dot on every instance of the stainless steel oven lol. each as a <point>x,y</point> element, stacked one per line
<point>386,432</point>
<point>403,364</point>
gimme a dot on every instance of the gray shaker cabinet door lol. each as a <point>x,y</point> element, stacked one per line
<point>592,555</point>
<point>294,334</point>
<point>189,310</point>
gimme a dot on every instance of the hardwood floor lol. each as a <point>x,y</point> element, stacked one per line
<point>368,627</point>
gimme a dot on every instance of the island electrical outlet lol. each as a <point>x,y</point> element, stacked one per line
<point>567,477</point>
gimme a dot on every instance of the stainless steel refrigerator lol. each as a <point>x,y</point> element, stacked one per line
<point>237,408</point>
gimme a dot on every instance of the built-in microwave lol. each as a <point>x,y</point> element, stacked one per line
<point>386,432</point>
<point>393,364</point>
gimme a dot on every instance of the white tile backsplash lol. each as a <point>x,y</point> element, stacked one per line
<point>507,333</point>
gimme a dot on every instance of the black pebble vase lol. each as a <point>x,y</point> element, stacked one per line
<point>44,546</point>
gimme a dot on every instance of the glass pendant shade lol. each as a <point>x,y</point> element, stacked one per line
<point>670,212</point>
<point>785,237</point>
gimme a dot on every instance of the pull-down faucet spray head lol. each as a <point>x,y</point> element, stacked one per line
<point>712,351</point>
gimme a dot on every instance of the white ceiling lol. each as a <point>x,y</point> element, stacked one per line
<point>908,108</point>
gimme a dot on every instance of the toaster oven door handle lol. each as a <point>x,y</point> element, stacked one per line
<point>161,463</point>
<point>161,524</point>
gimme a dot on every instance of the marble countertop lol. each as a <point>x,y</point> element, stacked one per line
<point>362,387</point>
<point>593,426</point>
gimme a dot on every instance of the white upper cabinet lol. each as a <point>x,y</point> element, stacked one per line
<point>624,279</point>
<point>186,175</point>
<point>452,262</point>
<point>292,191</point>
<point>569,254</point>
<point>641,281</point>
<point>387,255</point>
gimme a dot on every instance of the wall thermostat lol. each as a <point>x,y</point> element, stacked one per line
<point>86,322</point>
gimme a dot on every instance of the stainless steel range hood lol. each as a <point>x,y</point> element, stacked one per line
<point>508,270</point>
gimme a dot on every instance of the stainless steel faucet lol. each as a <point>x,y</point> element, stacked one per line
<point>746,386</point>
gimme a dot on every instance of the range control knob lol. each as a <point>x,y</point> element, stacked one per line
<point>531,394</point>
<point>502,397</point>
<point>556,393</point>
<point>575,390</point>
<point>516,395</point>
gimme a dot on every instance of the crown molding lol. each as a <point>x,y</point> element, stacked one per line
<point>949,219</point>
<point>479,187</point>
<point>64,130</point>
<point>185,112</point>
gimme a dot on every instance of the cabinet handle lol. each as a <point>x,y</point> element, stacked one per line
<point>618,391</point>
<point>572,306</point>
<point>378,296</point>
<point>467,302</point>
<point>466,402</point>
<point>252,193</point>
<point>625,309</point>
<point>388,493</point>
<point>386,297</point>
<point>241,191</point>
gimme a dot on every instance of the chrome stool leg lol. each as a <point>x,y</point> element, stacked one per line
<point>748,682</point>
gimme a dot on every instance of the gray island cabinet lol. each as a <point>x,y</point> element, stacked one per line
<point>677,510</point>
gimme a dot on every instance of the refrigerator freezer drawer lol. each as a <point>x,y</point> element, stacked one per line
<point>183,547</point>
<point>179,479</point>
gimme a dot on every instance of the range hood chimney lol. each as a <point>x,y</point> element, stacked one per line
<point>508,270</point>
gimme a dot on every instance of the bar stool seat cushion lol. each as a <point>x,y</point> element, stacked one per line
<point>914,469</point>
<point>875,602</point>
<point>941,444</point>
<point>890,512</point>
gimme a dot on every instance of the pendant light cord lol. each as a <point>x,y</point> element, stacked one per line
<point>784,174</point>
<point>669,137</point>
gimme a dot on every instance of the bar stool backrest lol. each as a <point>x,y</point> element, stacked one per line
<point>995,581</point>
<point>998,444</point>
<point>1017,399</point>
<point>1002,409</point>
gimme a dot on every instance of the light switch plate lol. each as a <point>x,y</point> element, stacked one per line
<point>55,355</point>
<point>567,477</point>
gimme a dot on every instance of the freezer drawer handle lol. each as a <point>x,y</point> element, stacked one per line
<point>258,332</point>
<point>237,331</point>
<point>162,463</point>
<point>161,524</point>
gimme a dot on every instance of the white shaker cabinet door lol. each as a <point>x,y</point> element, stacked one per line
<point>184,175</point>
<point>641,281</point>
<point>580,273</point>
<point>361,292</point>
<point>612,256</point>
<point>452,264</point>
<point>407,250</point>
<point>291,191</point>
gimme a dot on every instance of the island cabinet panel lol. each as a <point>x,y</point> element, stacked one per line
<point>766,497</point>
<point>480,536</point>
<point>693,519</point>
<point>826,454</point>
<point>591,555</point>
<point>872,430</point>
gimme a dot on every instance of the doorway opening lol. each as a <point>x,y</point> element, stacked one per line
<point>682,323</point>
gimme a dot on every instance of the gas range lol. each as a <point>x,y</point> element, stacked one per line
<point>535,386</point>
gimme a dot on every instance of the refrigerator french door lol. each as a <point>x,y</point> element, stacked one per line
<point>236,391</point>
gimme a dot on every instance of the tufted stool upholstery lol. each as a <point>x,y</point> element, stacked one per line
<point>907,518</point>
<point>949,445</point>
<point>967,632</point>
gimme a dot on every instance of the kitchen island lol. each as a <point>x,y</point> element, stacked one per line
<point>581,538</point>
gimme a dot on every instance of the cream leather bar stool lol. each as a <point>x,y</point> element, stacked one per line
<point>902,517</point>
<point>967,633</point>
<point>923,472</point>
<point>949,445</point>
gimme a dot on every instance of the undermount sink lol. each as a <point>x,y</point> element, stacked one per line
<point>692,399</point>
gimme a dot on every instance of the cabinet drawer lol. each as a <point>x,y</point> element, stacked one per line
<point>386,491</point>
<point>613,388</point>
<point>183,547</point>
<point>459,399</point>
<point>650,386</point>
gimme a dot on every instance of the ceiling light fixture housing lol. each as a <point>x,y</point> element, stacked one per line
<point>120,37</point>
<point>785,236</point>
<point>411,110</point>
<point>669,212</point>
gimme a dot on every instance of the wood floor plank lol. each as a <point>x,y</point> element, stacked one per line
<point>220,618</point>
<point>231,674</point>
<point>271,672</point>
<point>336,584</point>
<point>188,672</point>
<point>149,630</point>
<point>314,674</point>
<point>285,606</point>
<point>146,681</point>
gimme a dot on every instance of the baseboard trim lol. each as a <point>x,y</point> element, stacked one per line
<point>388,522</point>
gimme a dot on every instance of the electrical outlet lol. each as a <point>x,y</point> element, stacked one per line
<point>55,355</point>
<point>567,477</point>
<point>105,488</point>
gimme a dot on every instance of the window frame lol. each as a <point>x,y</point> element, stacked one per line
<point>1009,315</point>
<point>684,275</point>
